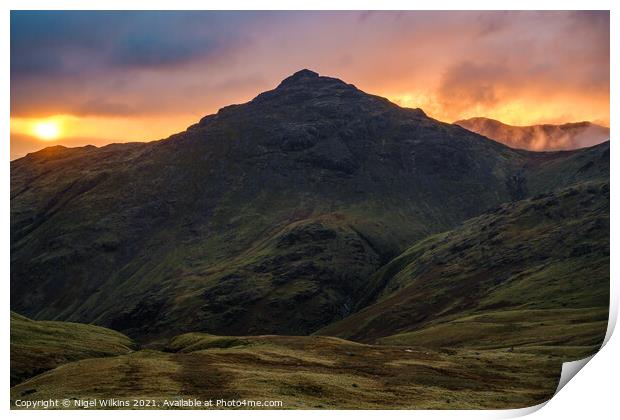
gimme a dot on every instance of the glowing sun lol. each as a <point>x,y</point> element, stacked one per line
<point>46,130</point>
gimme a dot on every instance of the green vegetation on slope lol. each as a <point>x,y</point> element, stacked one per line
<point>550,171</point>
<point>478,317</point>
<point>567,333</point>
<point>38,346</point>
<point>533,273</point>
<point>305,372</point>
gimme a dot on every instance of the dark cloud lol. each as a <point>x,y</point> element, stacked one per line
<point>62,59</point>
<point>144,50</point>
<point>179,62</point>
<point>43,42</point>
<point>48,43</point>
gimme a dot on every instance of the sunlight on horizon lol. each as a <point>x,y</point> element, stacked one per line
<point>115,129</point>
<point>517,112</point>
<point>46,130</point>
<point>74,130</point>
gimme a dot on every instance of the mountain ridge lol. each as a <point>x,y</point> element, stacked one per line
<point>539,137</point>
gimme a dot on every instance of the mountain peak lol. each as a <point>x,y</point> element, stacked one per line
<point>307,90</point>
<point>301,75</point>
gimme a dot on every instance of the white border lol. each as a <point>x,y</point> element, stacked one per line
<point>593,394</point>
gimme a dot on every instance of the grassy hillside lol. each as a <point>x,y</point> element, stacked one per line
<point>550,171</point>
<point>481,316</point>
<point>305,372</point>
<point>38,346</point>
<point>567,333</point>
<point>532,274</point>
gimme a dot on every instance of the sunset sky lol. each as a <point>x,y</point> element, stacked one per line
<point>99,77</point>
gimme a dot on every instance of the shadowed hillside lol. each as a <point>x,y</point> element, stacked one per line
<point>267,217</point>
<point>533,275</point>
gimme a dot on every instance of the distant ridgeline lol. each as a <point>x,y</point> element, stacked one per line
<point>539,137</point>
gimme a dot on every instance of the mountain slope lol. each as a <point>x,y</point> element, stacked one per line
<point>550,171</point>
<point>532,274</point>
<point>267,217</point>
<point>539,137</point>
<point>37,346</point>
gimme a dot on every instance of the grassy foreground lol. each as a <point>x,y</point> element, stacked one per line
<point>37,346</point>
<point>304,372</point>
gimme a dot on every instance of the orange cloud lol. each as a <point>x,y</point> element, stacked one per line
<point>518,67</point>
